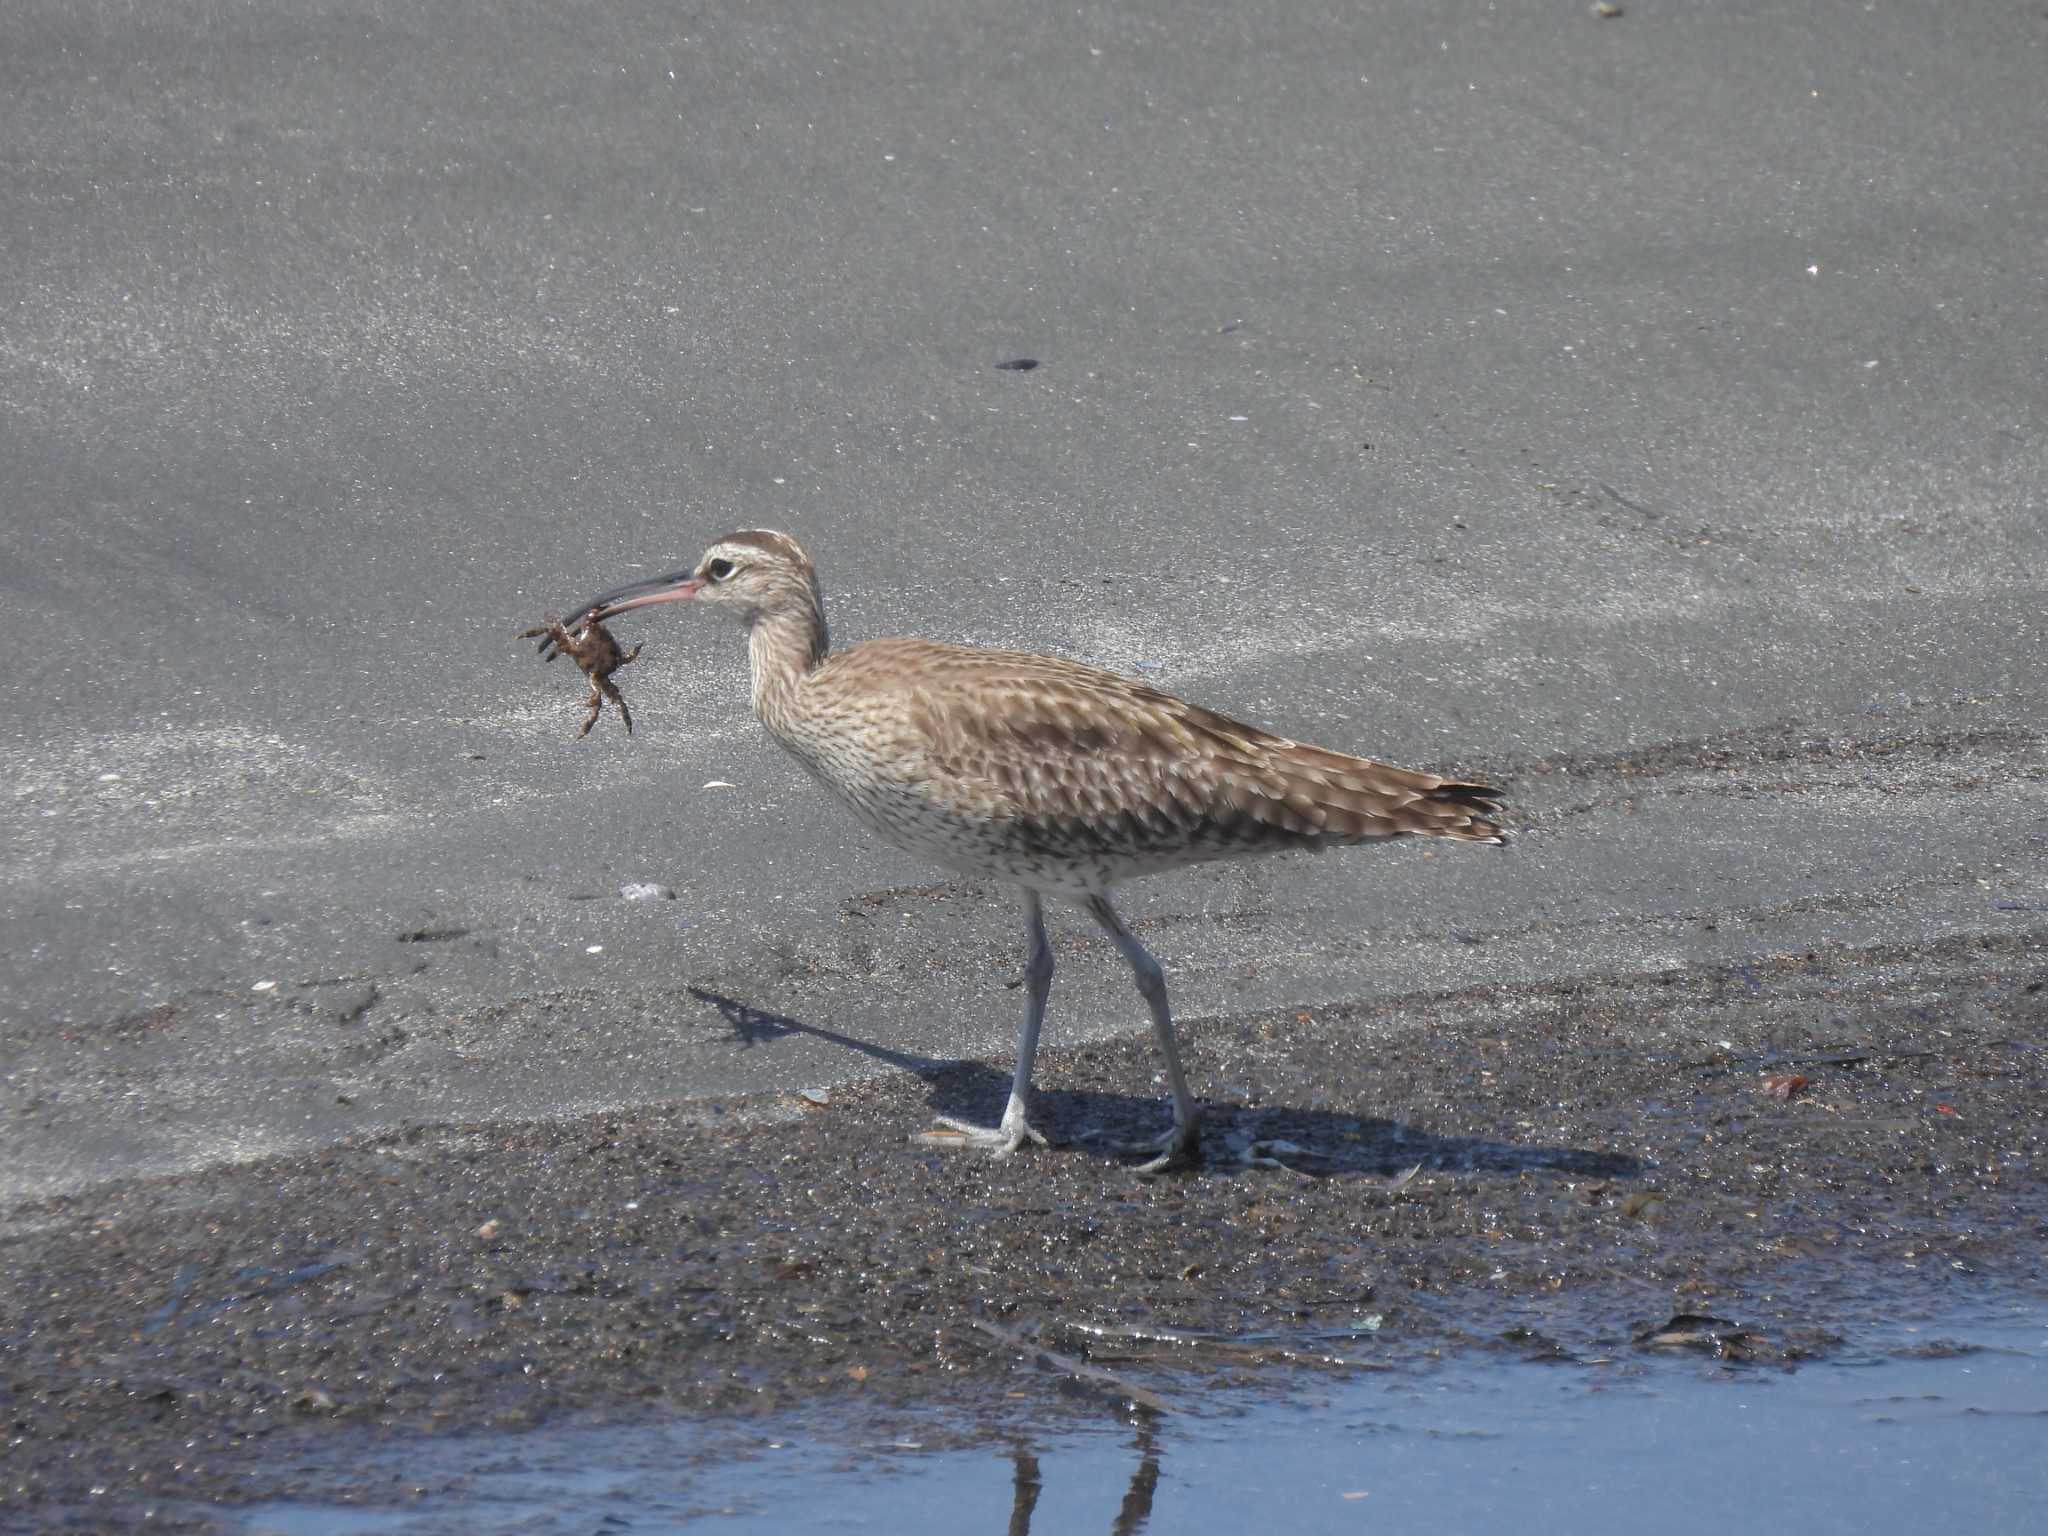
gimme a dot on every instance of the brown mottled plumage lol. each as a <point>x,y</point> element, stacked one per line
<point>1059,777</point>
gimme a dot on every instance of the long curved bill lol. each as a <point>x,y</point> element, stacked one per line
<point>676,587</point>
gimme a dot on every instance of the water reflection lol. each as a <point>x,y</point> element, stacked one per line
<point>1137,1506</point>
<point>1946,1418</point>
<point>1027,1483</point>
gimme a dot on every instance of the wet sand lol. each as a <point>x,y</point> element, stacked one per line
<point>1539,1170</point>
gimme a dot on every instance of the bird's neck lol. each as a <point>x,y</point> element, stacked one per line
<point>784,647</point>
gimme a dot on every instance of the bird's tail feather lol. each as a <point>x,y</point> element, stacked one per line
<point>1356,799</point>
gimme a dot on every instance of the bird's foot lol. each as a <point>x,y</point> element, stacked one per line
<point>1269,1152</point>
<point>1178,1146</point>
<point>999,1143</point>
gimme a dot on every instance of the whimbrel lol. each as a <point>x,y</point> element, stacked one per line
<point>1059,778</point>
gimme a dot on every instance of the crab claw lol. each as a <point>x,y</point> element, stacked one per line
<point>550,637</point>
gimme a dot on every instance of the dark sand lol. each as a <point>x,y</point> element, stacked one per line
<point>1545,1170</point>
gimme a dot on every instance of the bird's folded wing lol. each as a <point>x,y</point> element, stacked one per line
<point>1085,755</point>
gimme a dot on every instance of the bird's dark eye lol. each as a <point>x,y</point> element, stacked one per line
<point>718,570</point>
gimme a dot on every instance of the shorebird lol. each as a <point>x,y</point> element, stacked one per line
<point>1059,778</point>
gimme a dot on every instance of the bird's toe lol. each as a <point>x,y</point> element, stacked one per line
<point>1173,1148</point>
<point>1001,1142</point>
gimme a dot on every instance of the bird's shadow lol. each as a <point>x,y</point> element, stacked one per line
<point>1312,1141</point>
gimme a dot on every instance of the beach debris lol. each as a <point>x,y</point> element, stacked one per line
<point>1078,1371</point>
<point>1711,1335</point>
<point>1643,1205</point>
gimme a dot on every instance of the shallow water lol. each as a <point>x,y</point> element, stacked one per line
<point>1950,1422</point>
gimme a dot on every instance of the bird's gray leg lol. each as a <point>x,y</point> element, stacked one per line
<point>1179,1143</point>
<point>1016,1128</point>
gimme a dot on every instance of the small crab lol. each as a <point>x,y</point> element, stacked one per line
<point>593,648</point>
